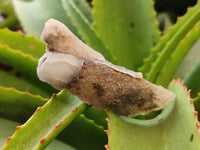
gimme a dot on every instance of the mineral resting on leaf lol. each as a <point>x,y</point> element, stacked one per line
<point>71,64</point>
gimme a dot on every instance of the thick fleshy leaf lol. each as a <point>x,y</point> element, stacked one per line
<point>46,123</point>
<point>18,41</point>
<point>85,9</point>
<point>7,127</point>
<point>14,79</point>
<point>167,72</point>
<point>175,128</point>
<point>127,28</point>
<point>99,116</point>
<point>18,106</point>
<point>192,80</point>
<point>16,59</point>
<point>10,19</point>
<point>170,43</point>
<point>33,14</point>
<point>6,7</point>
<point>90,135</point>
<point>9,22</point>
<point>163,42</point>
<point>84,134</point>
<point>189,61</point>
<point>85,29</point>
<point>197,104</point>
<point>15,49</point>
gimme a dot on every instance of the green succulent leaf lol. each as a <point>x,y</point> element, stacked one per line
<point>14,79</point>
<point>7,127</point>
<point>15,49</point>
<point>169,43</point>
<point>191,59</point>
<point>6,7</point>
<point>33,14</point>
<point>176,129</point>
<point>46,123</point>
<point>164,41</point>
<point>84,134</point>
<point>196,101</point>
<point>128,35</point>
<point>18,41</point>
<point>12,103</point>
<point>129,30</point>
<point>16,60</point>
<point>98,116</point>
<point>84,28</point>
<point>10,19</point>
<point>177,56</point>
<point>9,22</point>
<point>85,9</point>
<point>192,80</point>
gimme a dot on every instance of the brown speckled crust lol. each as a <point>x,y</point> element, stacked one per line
<point>59,38</point>
<point>106,88</point>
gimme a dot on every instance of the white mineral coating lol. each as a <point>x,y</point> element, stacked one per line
<point>58,69</point>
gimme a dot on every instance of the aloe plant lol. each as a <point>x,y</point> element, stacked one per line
<point>126,33</point>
